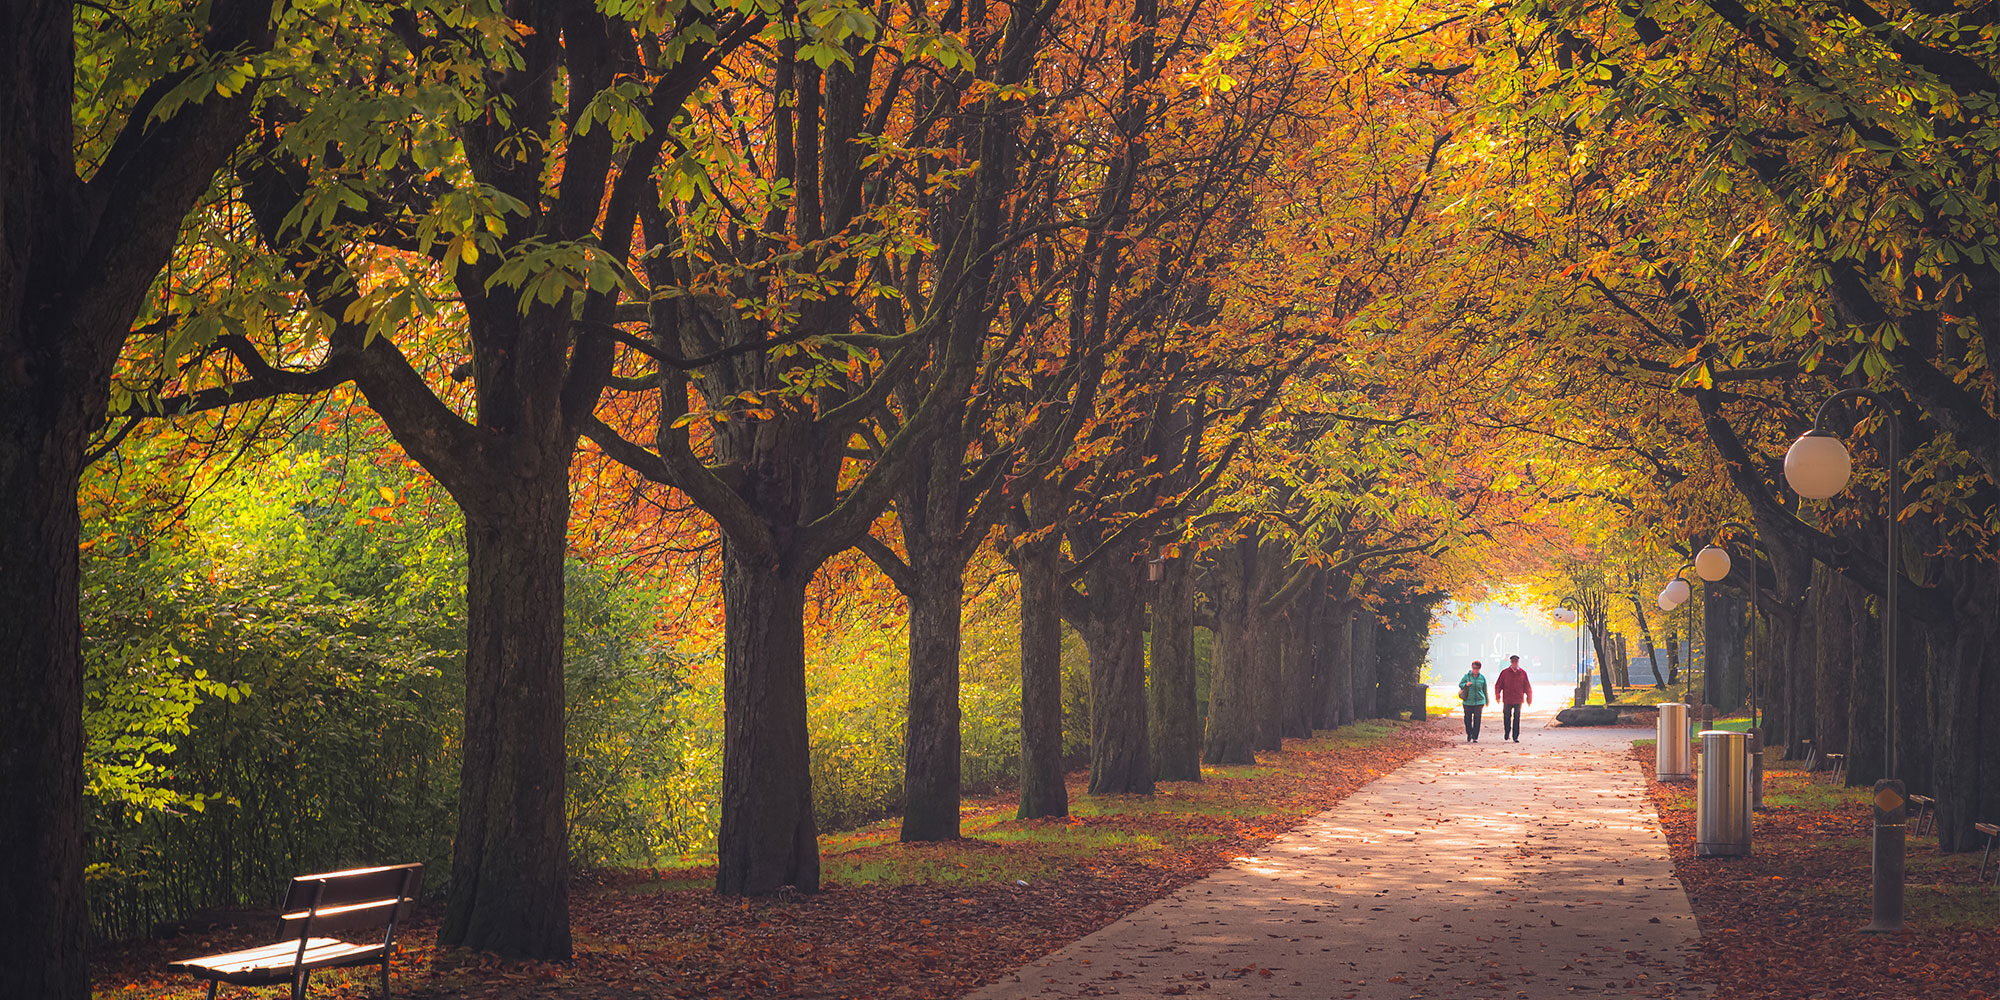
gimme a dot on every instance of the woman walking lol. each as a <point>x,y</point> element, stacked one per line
<point>1472,694</point>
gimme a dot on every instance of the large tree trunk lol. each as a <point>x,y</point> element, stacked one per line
<point>932,768</point>
<point>931,760</point>
<point>1297,709</point>
<point>1172,709</point>
<point>42,433</point>
<point>1968,758</point>
<point>1042,790</point>
<point>1367,630</point>
<point>1722,613</point>
<point>76,263</point>
<point>1337,664</point>
<point>768,840</point>
<point>509,884</point>
<point>1120,758</point>
<point>1232,697</point>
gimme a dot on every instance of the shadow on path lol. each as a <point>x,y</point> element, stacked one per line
<point>1488,870</point>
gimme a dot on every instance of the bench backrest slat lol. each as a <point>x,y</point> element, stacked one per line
<point>332,903</point>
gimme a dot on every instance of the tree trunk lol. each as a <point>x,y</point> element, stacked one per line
<point>1337,662</point>
<point>1232,698</point>
<point>931,515</point>
<point>1673,657</point>
<point>1171,708</point>
<point>42,435</point>
<point>77,261</point>
<point>768,839</point>
<point>1827,618</point>
<point>1968,757</point>
<point>510,863</point>
<point>1597,642</point>
<point>1297,714</point>
<point>931,759</point>
<point>1121,761</point>
<point>1367,630</point>
<point>1042,790</point>
<point>1722,621</point>
<point>1660,679</point>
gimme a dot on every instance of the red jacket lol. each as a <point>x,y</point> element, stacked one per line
<point>1512,686</point>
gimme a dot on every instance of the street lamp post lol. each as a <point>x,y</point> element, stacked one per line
<point>1818,466</point>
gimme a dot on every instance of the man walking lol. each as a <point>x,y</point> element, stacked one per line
<point>1472,694</point>
<point>1513,689</point>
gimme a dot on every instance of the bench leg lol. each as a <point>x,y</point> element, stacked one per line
<point>385,977</point>
<point>213,985</point>
<point>299,985</point>
<point>1983,858</point>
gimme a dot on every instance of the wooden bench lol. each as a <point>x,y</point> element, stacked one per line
<point>1923,815</point>
<point>1992,832</point>
<point>1834,765</point>
<point>360,903</point>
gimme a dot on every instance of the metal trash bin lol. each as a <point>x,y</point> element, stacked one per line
<point>1722,796</point>
<point>1671,758</point>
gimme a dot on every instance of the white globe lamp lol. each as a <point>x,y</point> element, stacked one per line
<point>1712,563</point>
<point>1678,591</point>
<point>1817,465</point>
<point>1664,602</point>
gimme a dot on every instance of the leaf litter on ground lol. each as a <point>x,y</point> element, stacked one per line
<point>1785,922</point>
<point>894,921</point>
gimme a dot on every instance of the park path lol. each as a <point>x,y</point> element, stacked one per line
<point>1513,871</point>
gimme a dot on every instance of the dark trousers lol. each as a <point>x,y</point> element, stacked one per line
<point>1510,722</point>
<point>1472,713</point>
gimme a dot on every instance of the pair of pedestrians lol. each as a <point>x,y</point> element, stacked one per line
<point>1511,687</point>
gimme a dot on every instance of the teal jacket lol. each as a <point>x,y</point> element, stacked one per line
<point>1472,688</point>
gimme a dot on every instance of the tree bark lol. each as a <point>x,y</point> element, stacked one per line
<point>1042,790</point>
<point>41,747</point>
<point>1120,758</point>
<point>1660,679</point>
<point>932,766</point>
<point>1337,662</point>
<point>510,863</point>
<point>1297,664</point>
<point>768,840</point>
<point>1172,708</point>
<point>1367,630</point>
<point>77,260</point>
<point>1597,642</point>
<point>932,770</point>
<point>1722,621</point>
<point>1232,699</point>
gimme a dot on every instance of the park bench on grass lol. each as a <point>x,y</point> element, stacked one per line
<point>318,916</point>
<point>1923,815</point>
<point>1992,833</point>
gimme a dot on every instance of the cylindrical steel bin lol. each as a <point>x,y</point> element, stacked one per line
<point>1671,758</point>
<point>1722,796</point>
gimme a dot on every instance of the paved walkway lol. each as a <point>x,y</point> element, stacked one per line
<point>1514,871</point>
